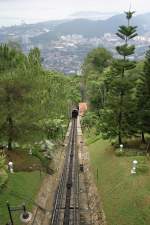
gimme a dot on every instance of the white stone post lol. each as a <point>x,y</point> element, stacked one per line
<point>134,166</point>
<point>11,167</point>
<point>121,148</point>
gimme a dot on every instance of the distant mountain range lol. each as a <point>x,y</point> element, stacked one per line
<point>66,54</point>
<point>91,28</point>
<point>52,30</point>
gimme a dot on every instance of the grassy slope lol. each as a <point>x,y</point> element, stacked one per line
<point>126,198</point>
<point>21,187</point>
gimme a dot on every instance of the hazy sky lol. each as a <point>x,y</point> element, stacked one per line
<point>13,11</point>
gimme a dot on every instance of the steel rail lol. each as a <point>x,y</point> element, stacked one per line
<point>58,200</point>
<point>68,187</point>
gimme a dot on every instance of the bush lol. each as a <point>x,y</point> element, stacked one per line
<point>45,161</point>
<point>3,173</point>
<point>89,120</point>
<point>3,178</point>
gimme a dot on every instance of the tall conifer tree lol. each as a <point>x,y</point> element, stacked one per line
<point>126,33</point>
<point>143,98</point>
<point>117,118</point>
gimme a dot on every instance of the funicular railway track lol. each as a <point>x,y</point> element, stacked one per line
<point>66,202</point>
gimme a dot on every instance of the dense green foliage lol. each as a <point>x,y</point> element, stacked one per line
<point>118,112</point>
<point>118,90</point>
<point>3,173</point>
<point>143,98</point>
<point>95,64</point>
<point>35,104</point>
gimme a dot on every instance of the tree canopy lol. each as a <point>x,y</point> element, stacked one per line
<point>32,99</point>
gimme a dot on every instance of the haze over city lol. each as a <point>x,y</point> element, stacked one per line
<point>32,11</point>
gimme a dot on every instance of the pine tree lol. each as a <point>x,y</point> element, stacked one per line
<point>126,33</point>
<point>10,90</point>
<point>143,97</point>
<point>117,118</point>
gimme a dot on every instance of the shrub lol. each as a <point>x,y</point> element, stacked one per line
<point>3,178</point>
<point>3,173</point>
<point>89,120</point>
